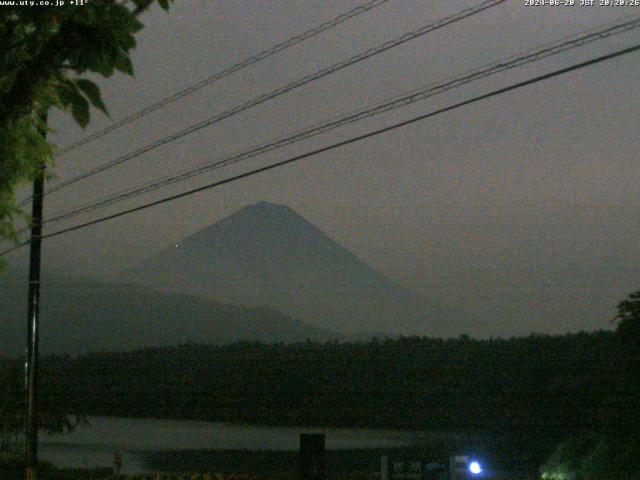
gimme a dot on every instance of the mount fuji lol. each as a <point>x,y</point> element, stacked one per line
<point>267,254</point>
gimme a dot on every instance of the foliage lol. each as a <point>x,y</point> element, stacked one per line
<point>46,53</point>
<point>12,468</point>
<point>625,414</point>
<point>613,452</point>
<point>11,408</point>
<point>594,457</point>
<point>53,415</point>
<point>628,319</point>
<point>534,391</point>
<point>567,461</point>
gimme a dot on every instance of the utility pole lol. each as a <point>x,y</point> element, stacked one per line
<point>31,363</point>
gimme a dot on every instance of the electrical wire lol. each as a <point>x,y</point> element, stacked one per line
<point>487,4</point>
<point>334,146</point>
<point>323,27</point>
<point>397,102</point>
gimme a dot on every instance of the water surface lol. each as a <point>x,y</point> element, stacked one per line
<point>95,443</point>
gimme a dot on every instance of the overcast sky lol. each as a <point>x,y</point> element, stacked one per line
<point>521,210</point>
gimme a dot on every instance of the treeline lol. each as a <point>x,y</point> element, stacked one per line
<point>557,384</point>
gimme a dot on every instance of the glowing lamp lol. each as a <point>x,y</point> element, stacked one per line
<point>474,468</point>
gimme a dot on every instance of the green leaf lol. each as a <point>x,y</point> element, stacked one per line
<point>127,42</point>
<point>101,65</point>
<point>135,25</point>
<point>65,95</point>
<point>70,96</point>
<point>80,110</point>
<point>123,64</point>
<point>164,4</point>
<point>142,3</point>
<point>92,91</point>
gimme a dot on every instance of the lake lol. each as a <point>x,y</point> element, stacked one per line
<point>94,444</point>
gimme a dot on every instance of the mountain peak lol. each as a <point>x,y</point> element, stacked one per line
<point>268,208</point>
<point>267,253</point>
<point>263,204</point>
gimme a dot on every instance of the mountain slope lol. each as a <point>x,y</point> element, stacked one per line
<point>80,316</point>
<point>269,254</point>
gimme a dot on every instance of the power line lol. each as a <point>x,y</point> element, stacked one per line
<point>281,91</point>
<point>343,143</point>
<point>323,27</point>
<point>397,102</point>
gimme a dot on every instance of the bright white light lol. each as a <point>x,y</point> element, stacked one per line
<point>474,467</point>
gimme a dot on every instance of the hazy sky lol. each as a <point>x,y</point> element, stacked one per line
<point>521,210</point>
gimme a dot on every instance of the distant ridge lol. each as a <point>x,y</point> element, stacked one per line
<point>268,254</point>
<point>79,316</point>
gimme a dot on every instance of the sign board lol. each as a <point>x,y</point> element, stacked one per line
<point>409,469</point>
<point>312,464</point>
